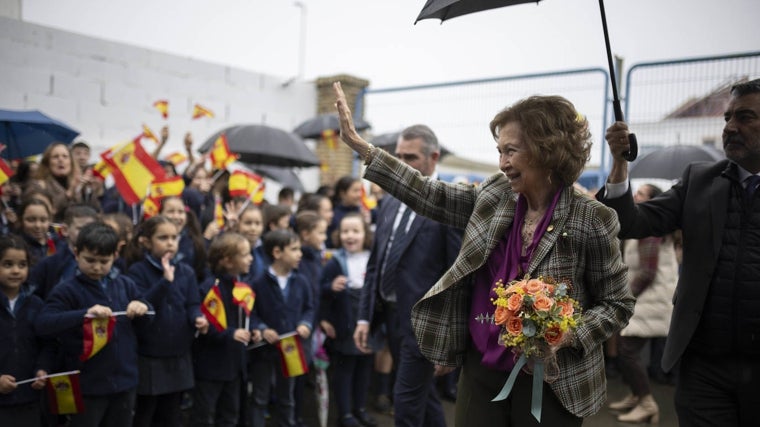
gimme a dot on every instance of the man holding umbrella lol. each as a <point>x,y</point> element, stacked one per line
<point>714,331</point>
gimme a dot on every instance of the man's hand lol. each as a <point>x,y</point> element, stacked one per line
<point>361,337</point>
<point>617,139</point>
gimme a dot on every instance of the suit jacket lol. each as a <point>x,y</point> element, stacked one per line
<point>698,205</point>
<point>431,248</point>
<point>580,244</point>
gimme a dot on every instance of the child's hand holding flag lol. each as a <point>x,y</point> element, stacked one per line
<point>136,309</point>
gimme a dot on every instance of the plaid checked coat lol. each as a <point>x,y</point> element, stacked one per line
<point>580,245</point>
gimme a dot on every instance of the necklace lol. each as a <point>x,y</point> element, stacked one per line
<point>530,223</point>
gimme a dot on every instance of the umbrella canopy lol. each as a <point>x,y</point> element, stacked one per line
<point>387,141</point>
<point>313,128</point>
<point>285,176</point>
<point>447,9</point>
<point>670,162</point>
<point>265,145</point>
<point>28,133</point>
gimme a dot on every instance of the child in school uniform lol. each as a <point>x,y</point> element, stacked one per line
<point>250,223</point>
<point>164,346</point>
<point>61,266</point>
<point>108,378</point>
<point>192,247</point>
<point>283,305</point>
<point>22,354</point>
<point>34,226</point>
<point>342,282</point>
<point>220,354</point>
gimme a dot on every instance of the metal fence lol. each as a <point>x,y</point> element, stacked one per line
<point>666,103</point>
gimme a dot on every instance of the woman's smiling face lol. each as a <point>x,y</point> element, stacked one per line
<point>515,161</point>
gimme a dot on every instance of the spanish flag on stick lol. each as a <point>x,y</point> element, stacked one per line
<point>213,308</point>
<point>176,158</point>
<point>162,106</point>
<point>97,333</point>
<point>5,172</point>
<point>64,394</point>
<point>243,296</point>
<point>151,206</point>
<point>133,170</point>
<point>221,156</point>
<point>201,111</point>
<point>368,203</point>
<point>165,187</point>
<point>292,357</point>
<point>219,213</point>
<point>147,133</point>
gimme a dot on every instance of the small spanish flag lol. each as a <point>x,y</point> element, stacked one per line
<point>133,170</point>
<point>176,158</point>
<point>292,357</point>
<point>97,333</point>
<point>147,133</point>
<point>368,203</point>
<point>243,296</point>
<point>162,106</point>
<point>151,207</point>
<point>330,138</point>
<point>5,172</point>
<point>64,394</point>
<point>165,187</point>
<point>213,308</point>
<point>243,183</point>
<point>201,111</point>
<point>218,213</point>
<point>258,195</point>
<point>50,246</point>
<point>221,156</point>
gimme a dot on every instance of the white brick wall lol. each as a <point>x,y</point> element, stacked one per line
<point>106,90</point>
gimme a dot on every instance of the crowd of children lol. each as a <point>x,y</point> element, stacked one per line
<point>177,319</point>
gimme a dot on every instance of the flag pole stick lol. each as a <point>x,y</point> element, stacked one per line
<point>44,377</point>
<point>264,342</point>
<point>120,313</point>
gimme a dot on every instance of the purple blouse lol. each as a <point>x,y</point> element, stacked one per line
<point>506,262</point>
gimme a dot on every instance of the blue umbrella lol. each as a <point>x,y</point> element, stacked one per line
<point>28,133</point>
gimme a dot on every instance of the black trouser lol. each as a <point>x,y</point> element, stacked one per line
<point>629,363</point>
<point>113,410</point>
<point>161,410</point>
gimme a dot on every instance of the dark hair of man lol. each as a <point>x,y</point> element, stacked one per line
<point>746,88</point>
<point>79,211</point>
<point>430,141</point>
<point>99,238</point>
<point>80,144</point>
<point>278,239</point>
<point>286,193</point>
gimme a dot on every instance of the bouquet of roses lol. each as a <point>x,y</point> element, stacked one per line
<point>535,314</point>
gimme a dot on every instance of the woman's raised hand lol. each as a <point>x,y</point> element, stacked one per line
<point>348,132</point>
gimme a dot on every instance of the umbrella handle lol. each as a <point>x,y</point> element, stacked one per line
<point>633,148</point>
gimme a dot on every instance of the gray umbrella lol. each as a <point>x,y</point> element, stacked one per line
<point>670,162</point>
<point>265,145</point>
<point>313,128</point>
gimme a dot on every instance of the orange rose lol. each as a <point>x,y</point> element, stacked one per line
<point>514,302</point>
<point>566,308</point>
<point>550,288</point>
<point>514,325</point>
<point>543,303</point>
<point>534,286</point>
<point>501,315</point>
<point>553,335</point>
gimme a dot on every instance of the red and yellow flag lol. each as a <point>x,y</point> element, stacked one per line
<point>292,357</point>
<point>221,156</point>
<point>151,207</point>
<point>165,187</point>
<point>213,308</point>
<point>5,172</point>
<point>96,334</point>
<point>176,158</point>
<point>218,213</point>
<point>133,170</point>
<point>243,296</point>
<point>64,394</point>
<point>330,138</point>
<point>201,111</point>
<point>368,203</point>
<point>147,133</point>
<point>244,183</point>
<point>50,246</point>
<point>162,106</point>
<point>101,170</point>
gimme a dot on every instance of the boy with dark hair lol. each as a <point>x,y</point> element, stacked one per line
<point>61,266</point>
<point>283,304</point>
<point>101,299</point>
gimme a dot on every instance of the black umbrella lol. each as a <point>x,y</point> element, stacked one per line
<point>313,128</point>
<point>26,133</point>
<point>669,162</point>
<point>447,9</point>
<point>265,145</point>
<point>285,176</point>
<point>387,141</point>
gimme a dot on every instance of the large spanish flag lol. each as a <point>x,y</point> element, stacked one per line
<point>64,394</point>
<point>201,111</point>
<point>213,308</point>
<point>162,106</point>
<point>5,172</point>
<point>133,170</point>
<point>165,187</point>
<point>101,170</point>
<point>221,156</point>
<point>97,333</point>
<point>292,357</point>
<point>243,296</point>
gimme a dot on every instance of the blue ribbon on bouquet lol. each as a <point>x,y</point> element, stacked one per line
<point>536,400</point>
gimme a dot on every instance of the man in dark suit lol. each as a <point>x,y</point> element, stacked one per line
<point>715,328</point>
<point>409,254</point>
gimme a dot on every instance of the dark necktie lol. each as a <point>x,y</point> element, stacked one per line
<point>394,255</point>
<point>751,182</point>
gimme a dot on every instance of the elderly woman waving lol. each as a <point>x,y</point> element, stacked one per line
<point>526,221</point>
